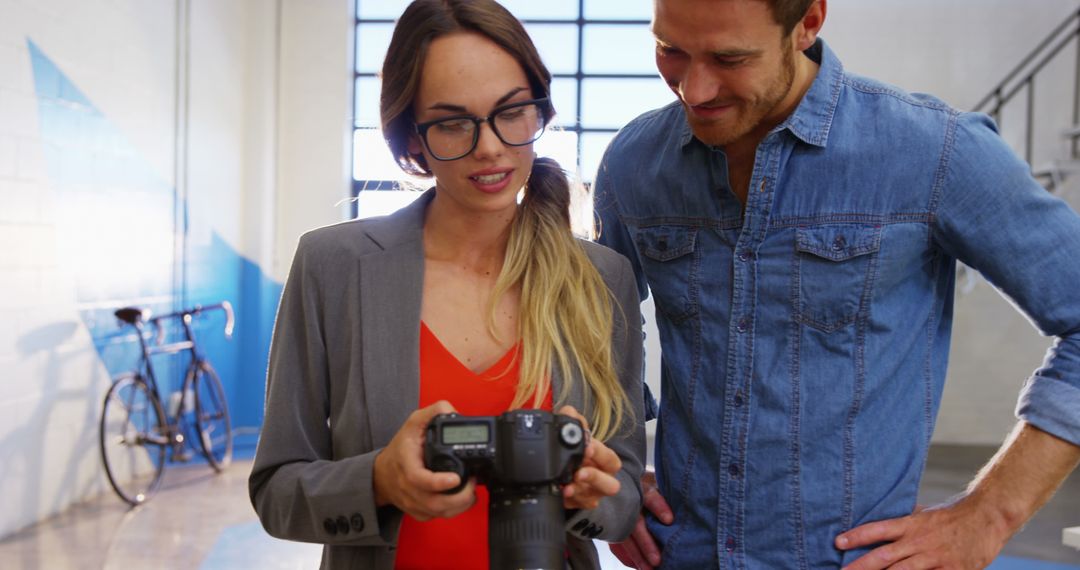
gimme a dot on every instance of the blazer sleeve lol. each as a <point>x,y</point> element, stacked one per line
<point>616,516</point>
<point>298,488</point>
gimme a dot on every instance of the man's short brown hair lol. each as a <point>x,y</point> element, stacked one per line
<point>789,12</point>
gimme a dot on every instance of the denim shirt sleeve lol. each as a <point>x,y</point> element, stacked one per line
<point>992,215</point>
<point>612,232</point>
<point>615,235</point>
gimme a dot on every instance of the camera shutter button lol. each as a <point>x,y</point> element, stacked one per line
<point>571,434</point>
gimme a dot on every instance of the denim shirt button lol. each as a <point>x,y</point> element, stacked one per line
<point>733,469</point>
<point>738,400</point>
<point>730,544</point>
<point>839,243</point>
<point>744,255</point>
<point>742,325</point>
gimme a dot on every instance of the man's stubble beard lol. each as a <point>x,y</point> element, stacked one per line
<point>750,117</point>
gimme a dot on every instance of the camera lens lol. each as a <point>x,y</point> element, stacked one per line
<point>525,528</point>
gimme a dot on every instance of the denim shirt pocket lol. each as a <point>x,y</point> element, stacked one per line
<point>670,263</point>
<point>834,267</point>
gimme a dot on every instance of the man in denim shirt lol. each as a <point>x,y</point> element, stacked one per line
<point>798,228</point>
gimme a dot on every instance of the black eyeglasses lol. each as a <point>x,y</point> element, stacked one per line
<point>516,124</point>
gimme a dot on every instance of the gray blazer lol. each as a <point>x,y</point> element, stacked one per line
<point>344,376</point>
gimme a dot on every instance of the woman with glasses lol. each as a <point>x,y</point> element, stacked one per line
<point>470,300</point>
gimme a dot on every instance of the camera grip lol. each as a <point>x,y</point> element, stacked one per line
<point>451,464</point>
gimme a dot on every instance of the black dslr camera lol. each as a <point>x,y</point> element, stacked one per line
<point>522,456</point>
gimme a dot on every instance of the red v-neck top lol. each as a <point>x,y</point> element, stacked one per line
<point>459,543</point>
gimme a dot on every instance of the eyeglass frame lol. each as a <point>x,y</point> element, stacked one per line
<point>422,128</point>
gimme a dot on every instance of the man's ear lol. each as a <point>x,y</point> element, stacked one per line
<point>806,31</point>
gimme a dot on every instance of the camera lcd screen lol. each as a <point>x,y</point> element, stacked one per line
<point>468,433</point>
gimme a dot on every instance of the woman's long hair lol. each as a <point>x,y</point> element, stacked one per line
<point>566,310</point>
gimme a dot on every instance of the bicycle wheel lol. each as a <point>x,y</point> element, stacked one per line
<point>212,423</point>
<point>133,438</point>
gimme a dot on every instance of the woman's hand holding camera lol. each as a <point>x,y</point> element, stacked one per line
<point>402,480</point>
<point>595,479</point>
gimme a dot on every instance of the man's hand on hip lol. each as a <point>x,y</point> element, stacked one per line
<point>969,532</point>
<point>957,535</point>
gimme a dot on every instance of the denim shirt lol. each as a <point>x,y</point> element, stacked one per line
<point>805,339</point>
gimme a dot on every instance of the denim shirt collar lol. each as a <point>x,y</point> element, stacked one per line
<point>813,117</point>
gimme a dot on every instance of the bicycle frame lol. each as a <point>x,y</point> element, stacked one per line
<point>174,418</point>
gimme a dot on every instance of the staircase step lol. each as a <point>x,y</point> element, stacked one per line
<point>1052,174</point>
<point>1058,167</point>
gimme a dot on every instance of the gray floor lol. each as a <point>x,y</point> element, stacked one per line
<point>199,520</point>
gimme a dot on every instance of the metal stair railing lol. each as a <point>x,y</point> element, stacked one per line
<point>1022,79</point>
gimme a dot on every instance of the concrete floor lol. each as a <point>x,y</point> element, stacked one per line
<point>199,520</point>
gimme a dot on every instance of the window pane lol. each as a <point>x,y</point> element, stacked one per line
<point>560,145</point>
<point>371,43</point>
<point>557,44</point>
<point>545,10</point>
<point>611,103</point>
<point>380,9</point>
<point>618,9</point>
<point>371,203</point>
<point>564,98</point>
<point>592,150</point>
<point>619,49</point>
<point>367,101</point>
<point>372,159</point>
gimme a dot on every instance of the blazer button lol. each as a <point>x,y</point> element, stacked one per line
<point>357,521</point>
<point>598,531</point>
<point>330,526</point>
<point>343,525</point>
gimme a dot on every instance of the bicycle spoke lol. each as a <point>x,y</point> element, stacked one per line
<point>131,427</point>
<point>211,416</point>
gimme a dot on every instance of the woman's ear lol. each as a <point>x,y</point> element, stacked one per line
<point>414,146</point>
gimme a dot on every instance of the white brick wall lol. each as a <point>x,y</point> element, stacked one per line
<point>8,156</point>
<point>18,113</point>
<point>120,55</point>
<point>21,201</point>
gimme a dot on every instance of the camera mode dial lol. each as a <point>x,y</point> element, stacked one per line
<point>571,434</point>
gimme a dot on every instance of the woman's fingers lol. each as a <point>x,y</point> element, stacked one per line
<point>602,457</point>
<point>590,485</point>
<point>402,480</point>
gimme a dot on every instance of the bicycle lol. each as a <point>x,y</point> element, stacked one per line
<point>136,432</point>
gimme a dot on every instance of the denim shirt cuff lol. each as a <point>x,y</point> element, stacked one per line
<point>1051,405</point>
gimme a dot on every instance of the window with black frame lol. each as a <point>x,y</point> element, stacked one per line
<point>600,53</point>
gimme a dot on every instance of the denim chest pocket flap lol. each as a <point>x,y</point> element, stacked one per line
<point>664,243</point>
<point>835,266</point>
<point>671,269</point>
<point>838,243</point>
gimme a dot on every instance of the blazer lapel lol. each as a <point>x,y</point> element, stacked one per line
<point>391,291</point>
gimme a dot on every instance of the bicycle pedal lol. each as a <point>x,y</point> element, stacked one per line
<point>181,456</point>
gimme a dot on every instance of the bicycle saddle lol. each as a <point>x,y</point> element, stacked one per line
<point>132,315</point>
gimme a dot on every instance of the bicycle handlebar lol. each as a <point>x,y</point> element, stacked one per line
<point>225,306</point>
<point>230,321</point>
